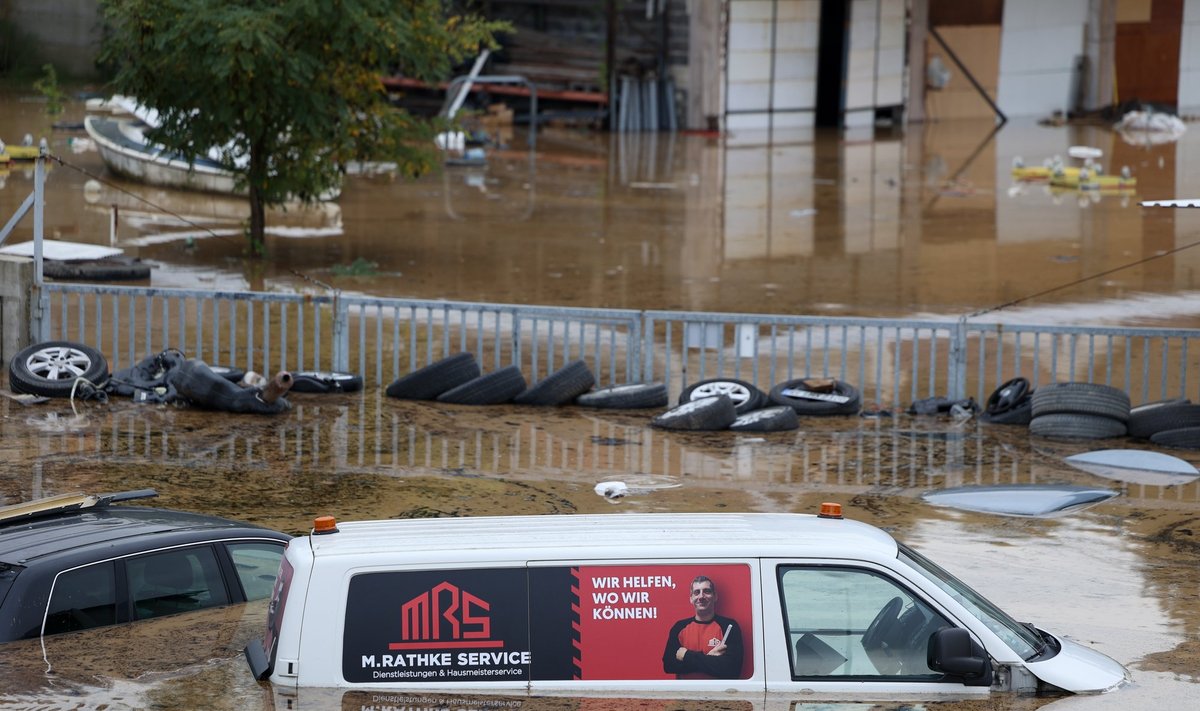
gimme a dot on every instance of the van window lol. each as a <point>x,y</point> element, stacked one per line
<point>179,580</point>
<point>854,623</point>
<point>256,565</point>
<point>82,599</point>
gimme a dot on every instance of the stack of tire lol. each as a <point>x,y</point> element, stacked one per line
<point>458,379</point>
<point>1169,423</point>
<point>724,403</point>
<point>1079,411</point>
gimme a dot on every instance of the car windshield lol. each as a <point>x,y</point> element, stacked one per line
<point>1023,640</point>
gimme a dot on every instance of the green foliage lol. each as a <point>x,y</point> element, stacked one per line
<point>48,86</point>
<point>359,267</point>
<point>290,89</point>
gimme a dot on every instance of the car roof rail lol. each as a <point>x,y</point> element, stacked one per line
<point>62,503</point>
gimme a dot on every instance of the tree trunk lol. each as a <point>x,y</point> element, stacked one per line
<point>256,177</point>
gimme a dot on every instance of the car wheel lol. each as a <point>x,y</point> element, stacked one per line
<point>323,381</point>
<point>560,387</point>
<point>745,396</point>
<point>1081,399</point>
<point>631,396</point>
<point>495,388</point>
<point>436,378</point>
<point>51,368</point>
<point>769,419</point>
<point>703,415</point>
<point>1068,425</point>
<point>845,398</point>
<point>1007,396</point>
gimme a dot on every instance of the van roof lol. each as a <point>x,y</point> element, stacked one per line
<point>555,537</point>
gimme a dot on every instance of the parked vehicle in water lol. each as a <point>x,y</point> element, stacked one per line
<point>785,604</point>
<point>76,561</point>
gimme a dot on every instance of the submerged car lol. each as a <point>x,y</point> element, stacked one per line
<point>681,604</point>
<point>76,561</point>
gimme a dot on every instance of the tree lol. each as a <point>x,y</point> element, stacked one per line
<point>289,90</point>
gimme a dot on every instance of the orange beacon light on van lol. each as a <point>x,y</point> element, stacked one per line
<point>324,524</point>
<point>830,510</point>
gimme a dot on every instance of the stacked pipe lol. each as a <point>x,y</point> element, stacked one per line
<point>645,104</point>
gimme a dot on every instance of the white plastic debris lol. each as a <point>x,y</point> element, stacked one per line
<point>612,489</point>
<point>1084,152</point>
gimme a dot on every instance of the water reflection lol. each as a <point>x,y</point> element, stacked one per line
<point>378,435</point>
<point>874,224</point>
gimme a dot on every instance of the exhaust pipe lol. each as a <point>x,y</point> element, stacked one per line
<point>277,387</point>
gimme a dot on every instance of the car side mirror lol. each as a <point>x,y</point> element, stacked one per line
<point>953,652</point>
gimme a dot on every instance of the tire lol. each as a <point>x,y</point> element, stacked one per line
<point>631,396</point>
<point>1019,414</point>
<point>809,407</point>
<point>111,269</point>
<point>703,415</point>
<point>230,373</point>
<point>1009,395</point>
<point>560,387</point>
<point>1081,399</point>
<point>780,418</point>
<point>1181,438</point>
<point>1067,425</point>
<point>436,378</point>
<point>321,381</point>
<point>495,388</point>
<point>745,396</point>
<point>1146,421</point>
<point>51,368</point>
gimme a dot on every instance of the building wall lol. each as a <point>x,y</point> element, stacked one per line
<point>1189,59</point>
<point>1039,45</point>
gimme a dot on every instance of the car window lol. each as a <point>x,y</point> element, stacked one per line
<point>82,598</point>
<point>178,580</point>
<point>256,565</point>
<point>848,622</point>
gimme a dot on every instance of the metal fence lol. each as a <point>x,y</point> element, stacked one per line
<point>893,362</point>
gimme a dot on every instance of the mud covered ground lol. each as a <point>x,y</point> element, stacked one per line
<point>1121,576</point>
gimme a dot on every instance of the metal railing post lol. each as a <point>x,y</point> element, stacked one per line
<point>341,333</point>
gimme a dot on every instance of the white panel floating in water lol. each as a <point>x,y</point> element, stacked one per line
<point>62,251</point>
<point>1191,202</point>
<point>1034,500</point>
<point>1136,466</point>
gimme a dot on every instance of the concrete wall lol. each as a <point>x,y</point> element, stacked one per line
<point>66,32</point>
<point>16,280</point>
<point>1038,47</point>
<point>1189,59</point>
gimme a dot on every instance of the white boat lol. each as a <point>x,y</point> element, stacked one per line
<point>126,151</point>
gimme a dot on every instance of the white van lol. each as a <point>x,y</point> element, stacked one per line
<point>699,604</point>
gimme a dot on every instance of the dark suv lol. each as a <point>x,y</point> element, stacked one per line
<point>74,562</point>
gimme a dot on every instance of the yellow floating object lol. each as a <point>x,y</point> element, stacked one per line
<point>22,152</point>
<point>4,157</point>
<point>1031,173</point>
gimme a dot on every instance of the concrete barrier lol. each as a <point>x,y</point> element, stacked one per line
<point>16,289</point>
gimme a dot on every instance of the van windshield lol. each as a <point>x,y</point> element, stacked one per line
<point>1022,638</point>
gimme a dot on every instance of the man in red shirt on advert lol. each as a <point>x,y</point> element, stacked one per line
<point>706,645</point>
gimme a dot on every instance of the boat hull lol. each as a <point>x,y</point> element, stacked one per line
<point>152,164</point>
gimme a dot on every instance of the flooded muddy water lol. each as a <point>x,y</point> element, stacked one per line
<point>922,222</point>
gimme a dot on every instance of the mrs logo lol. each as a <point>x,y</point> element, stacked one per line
<point>445,617</point>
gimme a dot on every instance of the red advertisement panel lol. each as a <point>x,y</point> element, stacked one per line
<point>665,622</point>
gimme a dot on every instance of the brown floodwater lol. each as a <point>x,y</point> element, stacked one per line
<point>892,224</point>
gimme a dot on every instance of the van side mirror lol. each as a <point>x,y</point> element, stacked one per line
<point>954,653</point>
